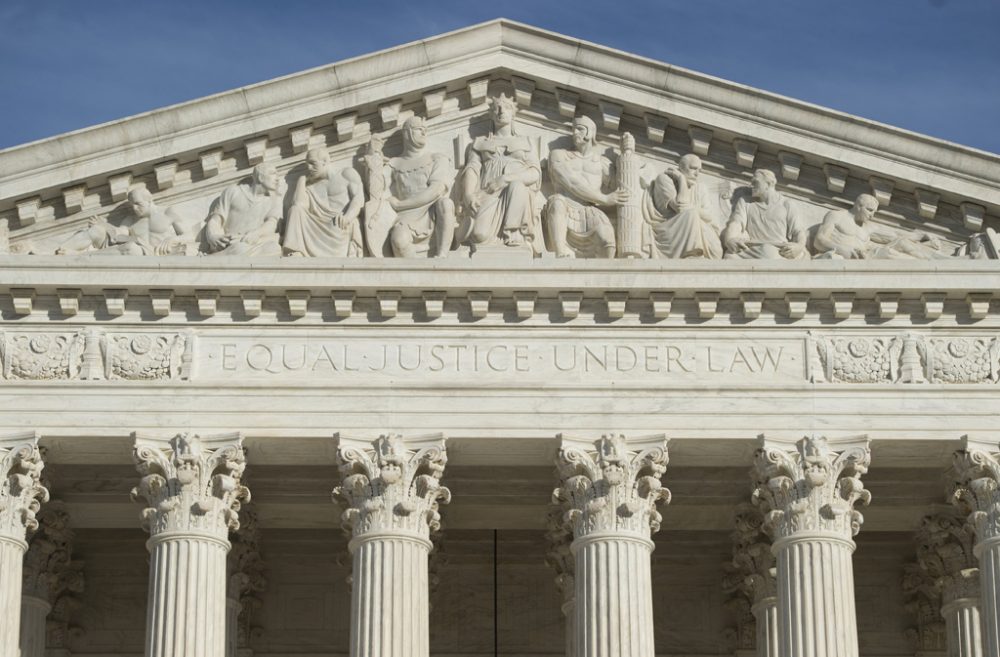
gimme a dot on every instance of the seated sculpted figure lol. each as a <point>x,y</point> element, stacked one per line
<point>500,184</point>
<point>577,225</point>
<point>420,183</point>
<point>766,226</point>
<point>244,219</point>
<point>323,219</point>
<point>151,230</point>
<point>850,234</point>
<point>676,207</point>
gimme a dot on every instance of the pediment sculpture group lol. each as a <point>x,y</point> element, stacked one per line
<point>417,205</point>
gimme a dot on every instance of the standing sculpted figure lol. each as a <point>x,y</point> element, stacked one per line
<point>500,184</point>
<point>151,230</point>
<point>766,226</point>
<point>418,192</point>
<point>676,207</point>
<point>244,219</point>
<point>850,234</point>
<point>577,225</point>
<point>323,219</point>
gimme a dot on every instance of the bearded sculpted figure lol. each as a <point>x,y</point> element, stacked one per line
<point>850,234</point>
<point>676,208</point>
<point>244,219</point>
<point>323,219</point>
<point>577,225</point>
<point>151,230</point>
<point>418,193</point>
<point>500,185</point>
<point>766,226</point>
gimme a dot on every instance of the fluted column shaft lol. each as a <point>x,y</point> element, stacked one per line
<point>21,497</point>
<point>193,491</point>
<point>807,497</point>
<point>11,558</point>
<point>988,552</point>
<point>816,597</point>
<point>390,614</point>
<point>765,612</point>
<point>614,597</point>
<point>609,492</point>
<point>391,488</point>
<point>963,627</point>
<point>33,614</point>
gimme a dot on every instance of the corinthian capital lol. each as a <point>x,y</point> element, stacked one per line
<point>945,545</point>
<point>48,562</point>
<point>559,556</point>
<point>392,484</point>
<point>751,572</point>
<point>21,490</point>
<point>191,484</point>
<point>976,490</point>
<point>812,488</point>
<point>612,485</point>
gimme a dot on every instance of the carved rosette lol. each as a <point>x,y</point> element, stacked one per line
<point>812,489</point>
<point>922,599</point>
<point>751,572</point>
<point>247,579</point>
<point>191,484</point>
<point>977,491</point>
<point>391,485</point>
<point>21,489</point>
<point>612,485</point>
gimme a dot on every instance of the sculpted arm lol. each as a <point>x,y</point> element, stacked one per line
<point>797,234</point>
<point>437,187</point>
<point>356,191</point>
<point>470,178</point>
<point>215,234</point>
<point>833,236</point>
<point>300,197</point>
<point>734,236</point>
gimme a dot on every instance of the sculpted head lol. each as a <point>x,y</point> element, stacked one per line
<point>503,109</point>
<point>584,131</point>
<point>690,166</point>
<point>762,183</point>
<point>415,132</point>
<point>266,176</point>
<point>140,200</point>
<point>865,207</point>
<point>317,162</point>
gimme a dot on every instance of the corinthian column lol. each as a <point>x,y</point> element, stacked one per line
<point>391,489</point>
<point>807,496</point>
<point>977,492</point>
<point>945,553</point>
<point>751,574</point>
<point>193,491</point>
<point>21,496</point>
<point>560,558</point>
<point>610,489</point>
<point>246,581</point>
<point>49,572</point>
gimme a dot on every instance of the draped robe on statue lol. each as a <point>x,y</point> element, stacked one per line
<point>679,230</point>
<point>243,213</point>
<point>767,226</point>
<point>412,177</point>
<point>312,228</point>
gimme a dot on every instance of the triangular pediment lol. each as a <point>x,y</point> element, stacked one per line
<point>188,154</point>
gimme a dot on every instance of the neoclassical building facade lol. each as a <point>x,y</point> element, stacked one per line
<point>499,343</point>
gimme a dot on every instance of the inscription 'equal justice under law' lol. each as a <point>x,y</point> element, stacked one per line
<point>279,358</point>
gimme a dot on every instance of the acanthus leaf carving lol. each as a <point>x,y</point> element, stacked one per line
<point>922,599</point>
<point>812,488</point>
<point>976,489</point>
<point>247,578</point>
<point>191,484</point>
<point>751,571</point>
<point>21,489</point>
<point>392,485</point>
<point>612,485</point>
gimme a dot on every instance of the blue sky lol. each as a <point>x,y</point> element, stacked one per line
<point>932,66</point>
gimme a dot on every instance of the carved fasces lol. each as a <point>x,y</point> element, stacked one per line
<point>811,489</point>
<point>191,484</point>
<point>612,485</point>
<point>21,489</point>
<point>391,485</point>
<point>976,490</point>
